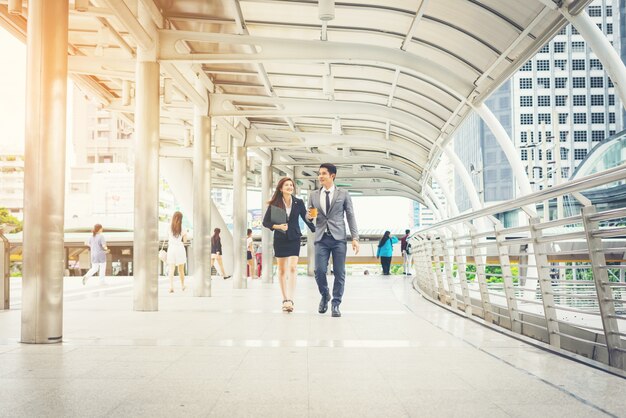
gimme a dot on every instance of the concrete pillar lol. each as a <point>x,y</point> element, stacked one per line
<point>266,235</point>
<point>44,172</point>
<point>310,244</point>
<point>240,217</point>
<point>146,234</point>
<point>201,201</point>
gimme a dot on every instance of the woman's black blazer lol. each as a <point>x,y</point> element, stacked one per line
<point>298,208</point>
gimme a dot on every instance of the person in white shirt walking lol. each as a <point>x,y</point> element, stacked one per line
<point>176,254</point>
<point>98,246</point>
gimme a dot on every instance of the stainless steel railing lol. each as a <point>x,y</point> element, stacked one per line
<point>559,280</point>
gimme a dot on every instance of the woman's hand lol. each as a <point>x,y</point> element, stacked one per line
<point>282,227</point>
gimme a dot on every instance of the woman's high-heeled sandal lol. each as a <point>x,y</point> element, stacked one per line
<point>290,305</point>
<point>285,305</point>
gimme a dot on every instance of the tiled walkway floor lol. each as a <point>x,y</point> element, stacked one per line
<point>392,354</point>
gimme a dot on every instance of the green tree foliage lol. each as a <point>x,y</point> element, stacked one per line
<point>8,222</point>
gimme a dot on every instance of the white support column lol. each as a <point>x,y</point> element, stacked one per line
<point>44,172</point>
<point>310,245</point>
<point>601,46</point>
<point>240,214</point>
<point>201,199</point>
<point>465,177</point>
<point>267,235</point>
<point>146,223</point>
<point>507,147</point>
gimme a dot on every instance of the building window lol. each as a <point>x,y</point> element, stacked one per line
<point>595,11</point>
<point>548,155</point>
<point>609,11</point>
<point>579,100</point>
<point>545,49</point>
<point>574,31</point>
<point>526,101</point>
<point>543,82</point>
<point>611,117</point>
<point>595,64</point>
<point>563,31</point>
<point>580,136</point>
<point>609,82</point>
<point>599,25</point>
<point>543,65</point>
<point>611,132</point>
<point>597,136</point>
<point>560,64</point>
<point>526,119</point>
<point>611,100</point>
<point>559,47</point>
<point>597,100</point>
<point>523,137</point>
<point>577,46</point>
<point>596,82</point>
<point>560,100</point>
<point>560,82</point>
<point>564,153</point>
<point>578,82</point>
<point>527,67</point>
<point>578,64</point>
<point>597,118</point>
<point>580,154</point>
<point>609,29</point>
<point>524,155</point>
<point>563,118</point>
<point>580,118</point>
<point>543,101</point>
<point>564,172</point>
<point>563,136</point>
<point>544,117</point>
<point>525,83</point>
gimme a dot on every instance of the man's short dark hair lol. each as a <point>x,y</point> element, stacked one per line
<point>332,169</point>
<point>407,231</point>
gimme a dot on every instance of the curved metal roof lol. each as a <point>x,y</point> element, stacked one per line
<point>378,90</point>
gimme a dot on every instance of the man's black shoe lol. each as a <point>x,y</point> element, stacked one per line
<point>335,311</point>
<point>324,304</point>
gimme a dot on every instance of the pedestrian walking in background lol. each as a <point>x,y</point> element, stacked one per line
<point>98,248</point>
<point>385,251</point>
<point>176,254</point>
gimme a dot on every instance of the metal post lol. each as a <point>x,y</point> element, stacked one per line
<point>448,261</point>
<point>461,263</point>
<point>603,290</point>
<point>266,235</point>
<point>146,221</point>
<point>310,246</point>
<point>239,218</point>
<point>44,172</point>
<point>480,261</point>
<point>202,200</point>
<point>5,271</point>
<point>545,284</point>
<point>507,278</point>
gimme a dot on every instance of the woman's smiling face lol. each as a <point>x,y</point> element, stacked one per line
<point>287,187</point>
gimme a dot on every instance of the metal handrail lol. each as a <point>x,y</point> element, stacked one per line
<point>573,186</point>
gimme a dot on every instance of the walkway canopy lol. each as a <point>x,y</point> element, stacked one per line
<point>377,87</point>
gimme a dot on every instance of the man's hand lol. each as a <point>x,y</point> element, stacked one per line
<point>355,246</point>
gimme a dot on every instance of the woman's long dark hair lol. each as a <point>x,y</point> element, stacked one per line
<point>277,197</point>
<point>384,239</point>
<point>96,228</point>
<point>177,224</point>
<point>216,236</point>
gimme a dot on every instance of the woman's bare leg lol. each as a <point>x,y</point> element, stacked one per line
<point>181,274</point>
<point>170,273</point>
<point>221,264</point>
<point>282,264</point>
<point>292,272</point>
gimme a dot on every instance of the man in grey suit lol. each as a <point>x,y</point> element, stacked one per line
<point>332,204</point>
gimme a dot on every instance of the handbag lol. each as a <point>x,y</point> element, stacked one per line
<point>163,253</point>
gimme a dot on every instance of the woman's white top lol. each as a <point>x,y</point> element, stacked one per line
<point>176,250</point>
<point>288,208</point>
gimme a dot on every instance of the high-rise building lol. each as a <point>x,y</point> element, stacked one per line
<point>564,102</point>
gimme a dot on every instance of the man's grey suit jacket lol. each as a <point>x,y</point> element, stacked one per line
<point>341,203</point>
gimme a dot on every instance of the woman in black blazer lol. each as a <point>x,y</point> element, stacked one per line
<point>284,204</point>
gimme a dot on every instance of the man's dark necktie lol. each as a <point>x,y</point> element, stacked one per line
<point>327,202</point>
<point>327,209</point>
